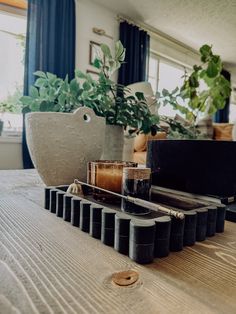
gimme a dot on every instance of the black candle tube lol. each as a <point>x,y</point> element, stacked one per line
<point>84,215</point>
<point>75,211</point>
<point>220,217</point>
<point>141,240</point>
<point>162,237</point>
<point>59,205</point>
<point>201,227</point>
<point>95,221</point>
<point>190,226</point>
<point>67,207</point>
<point>121,241</point>
<point>211,221</point>
<point>108,224</point>
<point>47,197</point>
<point>53,200</point>
<point>177,234</point>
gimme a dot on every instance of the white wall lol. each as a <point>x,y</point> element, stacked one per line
<point>89,15</point>
<point>10,153</point>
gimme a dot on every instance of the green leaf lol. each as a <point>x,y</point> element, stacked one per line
<point>33,92</point>
<point>74,86</point>
<point>212,69</point>
<point>140,95</point>
<point>62,100</point>
<point>40,82</point>
<point>119,51</point>
<point>86,86</point>
<point>40,74</point>
<point>51,77</point>
<point>205,52</point>
<point>106,51</point>
<point>80,74</point>
<point>26,100</point>
<point>34,106</point>
<point>165,92</point>
<point>97,63</point>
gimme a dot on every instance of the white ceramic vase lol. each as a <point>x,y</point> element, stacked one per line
<point>61,144</point>
<point>113,143</point>
<point>128,149</point>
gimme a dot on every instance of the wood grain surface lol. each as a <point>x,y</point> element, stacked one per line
<point>21,4</point>
<point>48,266</point>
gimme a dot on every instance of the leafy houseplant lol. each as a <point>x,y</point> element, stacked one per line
<point>204,90</point>
<point>107,98</point>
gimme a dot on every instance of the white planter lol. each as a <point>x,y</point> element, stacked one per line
<point>61,144</point>
<point>113,143</point>
<point>128,150</point>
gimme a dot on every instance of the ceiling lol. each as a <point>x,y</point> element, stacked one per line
<point>192,22</point>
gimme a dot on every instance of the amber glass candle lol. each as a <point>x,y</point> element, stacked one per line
<point>107,175</point>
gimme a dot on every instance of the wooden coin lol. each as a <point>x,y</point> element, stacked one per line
<point>125,278</point>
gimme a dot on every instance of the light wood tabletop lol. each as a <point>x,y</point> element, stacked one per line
<point>49,266</point>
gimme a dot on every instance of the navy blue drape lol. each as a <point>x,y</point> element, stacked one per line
<point>222,115</point>
<point>137,44</point>
<point>50,45</point>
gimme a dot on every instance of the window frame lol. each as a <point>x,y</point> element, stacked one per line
<point>169,61</point>
<point>21,14</point>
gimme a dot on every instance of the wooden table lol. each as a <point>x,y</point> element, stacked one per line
<point>48,266</point>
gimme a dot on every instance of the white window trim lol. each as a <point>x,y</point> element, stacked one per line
<point>169,61</point>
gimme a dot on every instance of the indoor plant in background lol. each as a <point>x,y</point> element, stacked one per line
<point>204,91</point>
<point>104,97</point>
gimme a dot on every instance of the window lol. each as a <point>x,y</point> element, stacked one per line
<point>165,74</point>
<point>12,42</point>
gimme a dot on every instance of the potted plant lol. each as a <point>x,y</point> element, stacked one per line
<point>107,99</point>
<point>193,164</point>
<point>204,91</point>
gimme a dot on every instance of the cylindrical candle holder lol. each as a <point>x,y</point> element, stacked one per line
<point>59,206</point>
<point>190,227</point>
<point>177,234</point>
<point>107,174</point>
<point>141,241</point>
<point>162,237</point>
<point>220,217</point>
<point>53,200</point>
<point>136,183</point>
<point>201,227</point>
<point>95,221</point>
<point>121,242</point>
<point>108,226</point>
<point>67,207</point>
<point>85,215</point>
<point>211,221</point>
<point>47,197</point>
<point>75,211</point>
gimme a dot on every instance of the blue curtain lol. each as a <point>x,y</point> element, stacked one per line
<point>50,45</point>
<point>222,115</point>
<point>137,44</point>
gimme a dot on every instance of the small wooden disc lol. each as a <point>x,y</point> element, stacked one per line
<point>125,278</point>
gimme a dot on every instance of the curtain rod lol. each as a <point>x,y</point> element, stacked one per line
<point>153,32</point>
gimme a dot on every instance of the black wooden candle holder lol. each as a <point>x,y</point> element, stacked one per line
<point>142,238</point>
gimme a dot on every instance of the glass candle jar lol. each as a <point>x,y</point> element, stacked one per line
<point>107,174</point>
<point>136,183</point>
